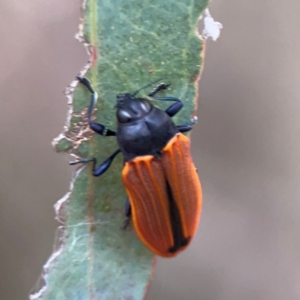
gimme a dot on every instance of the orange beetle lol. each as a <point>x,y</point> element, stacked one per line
<point>161,181</point>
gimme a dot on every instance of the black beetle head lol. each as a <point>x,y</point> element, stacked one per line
<point>130,108</point>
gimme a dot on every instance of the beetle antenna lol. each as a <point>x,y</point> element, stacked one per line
<point>146,86</point>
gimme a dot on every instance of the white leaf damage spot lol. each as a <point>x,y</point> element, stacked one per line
<point>211,27</point>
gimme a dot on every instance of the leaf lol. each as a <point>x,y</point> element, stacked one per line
<point>131,44</point>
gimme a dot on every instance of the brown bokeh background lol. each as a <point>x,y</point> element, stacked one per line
<point>246,147</point>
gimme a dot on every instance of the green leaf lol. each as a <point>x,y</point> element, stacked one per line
<point>133,42</point>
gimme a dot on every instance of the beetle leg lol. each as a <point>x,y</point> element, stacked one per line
<point>99,128</point>
<point>187,127</point>
<point>127,213</point>
<point>173,109</point>
<point>184,128</point>
<point>98,171</point>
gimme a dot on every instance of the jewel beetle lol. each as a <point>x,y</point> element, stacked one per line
<point>161,181</point>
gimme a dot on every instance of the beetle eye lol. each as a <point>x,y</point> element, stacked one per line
<point>123,116</point>
<point>145,106</point>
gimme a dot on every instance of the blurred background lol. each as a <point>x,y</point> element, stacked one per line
<point>246,147</point>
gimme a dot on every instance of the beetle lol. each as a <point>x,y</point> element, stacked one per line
<point>161,181</point>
